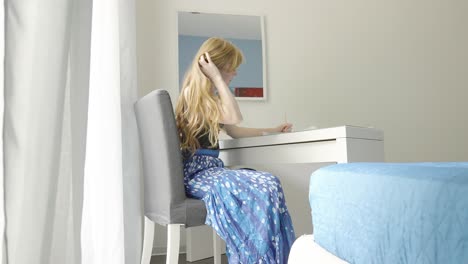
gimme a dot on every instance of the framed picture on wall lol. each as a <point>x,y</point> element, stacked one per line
<point>244,31</point>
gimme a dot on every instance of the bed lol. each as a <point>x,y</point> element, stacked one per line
<point>387,213</point>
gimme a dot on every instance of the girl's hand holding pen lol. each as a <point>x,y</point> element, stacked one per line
<point>286,126</point>
<point>283,128</point>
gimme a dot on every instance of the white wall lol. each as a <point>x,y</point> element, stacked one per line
<point>401,66</point>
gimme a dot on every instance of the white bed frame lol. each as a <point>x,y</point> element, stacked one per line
<point>306,251</point>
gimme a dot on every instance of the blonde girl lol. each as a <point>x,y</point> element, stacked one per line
<point>247,208</point>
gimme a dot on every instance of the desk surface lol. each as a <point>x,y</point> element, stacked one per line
<point>323,134</point>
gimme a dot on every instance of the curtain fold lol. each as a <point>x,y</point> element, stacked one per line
<point>132,181</point>
<point>102,232</point>
<point>2,208</point>
<point>71,177</point>
<point>35,76</point>
<point>79,66</point>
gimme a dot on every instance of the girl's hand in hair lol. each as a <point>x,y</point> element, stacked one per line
<point>209,68</point>
<point>230,112</point>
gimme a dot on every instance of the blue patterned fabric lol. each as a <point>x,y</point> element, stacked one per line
<point>246,208</point>
<point>398,213</point>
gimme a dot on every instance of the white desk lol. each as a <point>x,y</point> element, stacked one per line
<point>292,157</point>
<point>337,144</point>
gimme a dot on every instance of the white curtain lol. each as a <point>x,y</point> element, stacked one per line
<point>2,209</point>
<point>71,166</point>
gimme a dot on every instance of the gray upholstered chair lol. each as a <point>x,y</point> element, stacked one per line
<point>164,194</point>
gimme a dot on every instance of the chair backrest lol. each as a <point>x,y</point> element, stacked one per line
<point>164,191</point>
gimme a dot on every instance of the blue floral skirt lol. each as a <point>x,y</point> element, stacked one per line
<point>247,208</point>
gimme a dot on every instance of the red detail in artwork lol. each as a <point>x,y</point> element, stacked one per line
<point>248,91</point>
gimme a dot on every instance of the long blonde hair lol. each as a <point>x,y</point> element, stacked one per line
<point>197,109</point>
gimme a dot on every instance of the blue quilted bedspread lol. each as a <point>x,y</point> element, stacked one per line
<point>415,213</point>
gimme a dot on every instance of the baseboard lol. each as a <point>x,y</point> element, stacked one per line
<point>162,250</point>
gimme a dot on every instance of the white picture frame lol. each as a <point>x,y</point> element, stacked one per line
<point>245,31</point>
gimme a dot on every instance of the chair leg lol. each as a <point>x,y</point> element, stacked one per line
<point>216,248</point>
<point>147,241</point>
<point>173,242</point>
